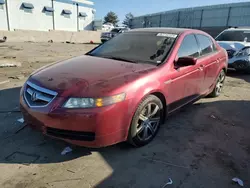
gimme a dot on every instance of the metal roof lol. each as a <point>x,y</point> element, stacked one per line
<point>209,7</point>
<point>83,14</point>
<point>28,5</point>
<point>48,9</point>
<point>65,11</point>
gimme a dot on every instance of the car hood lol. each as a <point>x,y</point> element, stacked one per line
<point>87,75</point>
<point>233,45</point>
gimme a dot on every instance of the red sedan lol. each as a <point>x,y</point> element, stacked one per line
<point>125,88</point>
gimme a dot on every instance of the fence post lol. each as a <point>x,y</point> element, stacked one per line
<point>178,19</point>
<point>228,16</point>
<point>160,21</point>
<point>201,17</point>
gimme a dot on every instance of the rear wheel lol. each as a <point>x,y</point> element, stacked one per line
<point>146,121</point>
<point>219,84</point>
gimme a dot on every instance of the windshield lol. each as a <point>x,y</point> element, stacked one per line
<point>147,47</point>
<point>234,36</point>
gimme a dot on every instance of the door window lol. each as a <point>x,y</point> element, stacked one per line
<point>206,44</point>
<point>189,47</point>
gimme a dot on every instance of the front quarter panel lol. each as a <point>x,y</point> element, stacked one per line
<point>140,89</point>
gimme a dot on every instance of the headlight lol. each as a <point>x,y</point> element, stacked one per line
<point>93,102</point>
<point>244,52</point>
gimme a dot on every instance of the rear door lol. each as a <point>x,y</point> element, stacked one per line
<point>185,81</point>
<point>209,57</point>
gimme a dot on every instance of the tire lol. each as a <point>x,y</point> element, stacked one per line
<point>219,84</point>
<point>146,121</point>
<point>247,71</point>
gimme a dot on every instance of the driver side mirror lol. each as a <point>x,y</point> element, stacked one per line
<point>185,61</point>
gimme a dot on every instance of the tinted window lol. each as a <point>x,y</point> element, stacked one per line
<point>206,44</point>
<point>234,36</point>
<point>189,47</point>
<point>142,47</point>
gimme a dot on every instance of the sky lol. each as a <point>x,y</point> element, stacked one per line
<point>141,7</point>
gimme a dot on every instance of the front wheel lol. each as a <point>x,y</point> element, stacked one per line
<point>146,121</point>
<point>219,84</point>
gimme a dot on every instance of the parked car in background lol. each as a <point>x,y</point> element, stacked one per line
<point>114,32</point>
<point>236,41</point>
<point>107,27</point>
<point>124,89</point>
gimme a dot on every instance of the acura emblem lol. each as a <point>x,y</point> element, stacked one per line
<point>34,96</point>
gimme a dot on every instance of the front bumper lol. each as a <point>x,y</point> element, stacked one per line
<point>104,39</point>
<point>97,127</point>
<point>239,63</point>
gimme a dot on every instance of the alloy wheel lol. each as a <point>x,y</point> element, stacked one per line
<point>149,121</point>
<point>220,83</point>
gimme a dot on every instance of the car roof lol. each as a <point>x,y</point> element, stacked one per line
<point>171,30</point>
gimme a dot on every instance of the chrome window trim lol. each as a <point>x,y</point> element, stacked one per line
<point>41,89</point>
<point>44,90</point>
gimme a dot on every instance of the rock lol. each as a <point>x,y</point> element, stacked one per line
<point>212,116</point>
<point>239,181</point>
<point>4,81</point>
<point>9,57</point>
<point>3,40</point>
<point>18,77</point>
<point>5,63</point>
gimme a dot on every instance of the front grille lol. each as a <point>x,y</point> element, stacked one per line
<point>72,135</point>
<point>106,34</point>
<point>241,65</point>
<point>36,96</point>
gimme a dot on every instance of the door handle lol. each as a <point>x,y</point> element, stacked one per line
<point>201,67</point>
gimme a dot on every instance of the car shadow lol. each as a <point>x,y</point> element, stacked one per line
<point>240,75</point>
<point>191,148</point>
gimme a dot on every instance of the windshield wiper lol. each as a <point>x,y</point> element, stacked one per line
<point>119,59</point>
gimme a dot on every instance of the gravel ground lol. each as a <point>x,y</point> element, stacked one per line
<point>204,145</point>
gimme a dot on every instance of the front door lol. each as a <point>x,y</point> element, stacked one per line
<point>185,83</point>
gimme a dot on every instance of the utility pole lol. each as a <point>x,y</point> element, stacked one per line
<point>53,15</point>
<point>77,15</point>
<point>7,14</point>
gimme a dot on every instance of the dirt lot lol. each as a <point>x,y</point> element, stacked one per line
<point>204,145</point>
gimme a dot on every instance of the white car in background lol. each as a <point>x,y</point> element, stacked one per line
<point>236,41</point>
<point>107,27</point>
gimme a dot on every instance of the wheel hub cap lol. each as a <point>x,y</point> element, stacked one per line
<point>148,122</point>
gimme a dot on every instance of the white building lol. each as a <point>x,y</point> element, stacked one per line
<point>45,15</point>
